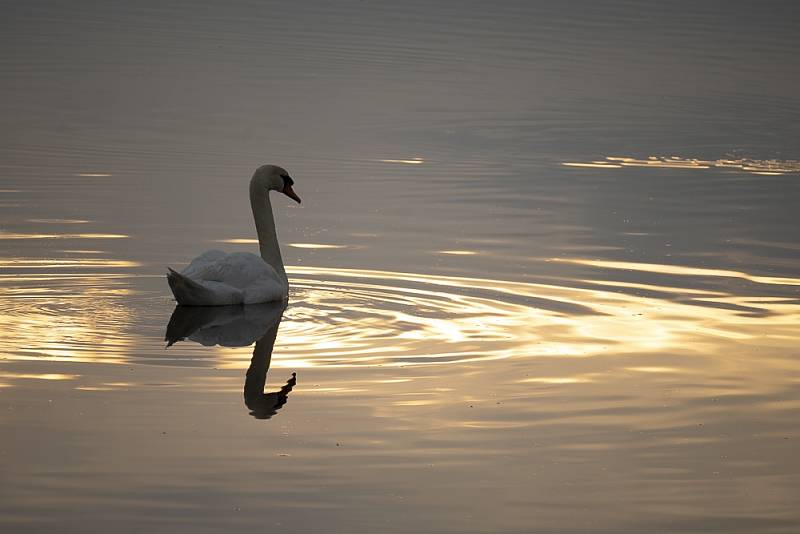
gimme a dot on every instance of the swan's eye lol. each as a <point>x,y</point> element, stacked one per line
<point>287,180</point>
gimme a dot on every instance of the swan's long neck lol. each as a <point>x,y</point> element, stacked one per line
<point>265,227</point>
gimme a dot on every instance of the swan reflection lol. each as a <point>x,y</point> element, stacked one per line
<point>238,326</point>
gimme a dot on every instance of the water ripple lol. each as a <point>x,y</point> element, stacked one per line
<point>354,317</point>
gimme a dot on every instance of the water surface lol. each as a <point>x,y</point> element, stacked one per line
<point>544,276</point>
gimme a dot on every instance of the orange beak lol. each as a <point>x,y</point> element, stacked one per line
<point>289,192</point>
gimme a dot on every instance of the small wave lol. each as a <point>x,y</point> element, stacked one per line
<point>353,317</point>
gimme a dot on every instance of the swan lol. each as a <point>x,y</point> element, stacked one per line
<point>216,278</point>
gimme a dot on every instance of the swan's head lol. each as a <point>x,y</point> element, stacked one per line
<point>274,178</point>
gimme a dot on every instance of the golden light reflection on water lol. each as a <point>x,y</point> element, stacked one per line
<point>457,252</point>
<point>409,161</point>
<point>681,270</point>
<point>92,263</point>
<point>411,319</point>
<point>39,376</point>
<point>68,317</point>
<point>12,235</point>
<point>353,317</point>
<point>315,245</point>
<point>251,241</point>
<point>59,221</point>
<point>239,241</point>
<point>767,167</point>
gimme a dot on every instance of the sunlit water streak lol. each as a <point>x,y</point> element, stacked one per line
<point>59,221</point>
<point>13,235</point>
<point>765,167</point>
<point>354,318</point>
<point>251,241</point>
<point>36,263</point>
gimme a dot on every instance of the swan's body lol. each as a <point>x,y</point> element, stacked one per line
<point>216,278</point>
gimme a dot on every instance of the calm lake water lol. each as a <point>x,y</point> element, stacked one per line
<point>545,276</point>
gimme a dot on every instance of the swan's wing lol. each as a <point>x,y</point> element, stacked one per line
<point>242,269</point>
<point>203,263</point>
<point>238,269</point>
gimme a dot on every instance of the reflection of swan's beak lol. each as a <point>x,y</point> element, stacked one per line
<point>265,405</point>
<point>289,192</point>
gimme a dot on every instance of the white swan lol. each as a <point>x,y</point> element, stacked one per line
<point>217,279</point>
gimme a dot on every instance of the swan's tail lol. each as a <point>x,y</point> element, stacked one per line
<point>186,291</point>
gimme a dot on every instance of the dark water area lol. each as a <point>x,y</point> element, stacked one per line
<point>544,277</point>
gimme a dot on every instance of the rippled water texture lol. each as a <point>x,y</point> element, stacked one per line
<point>544,277</point>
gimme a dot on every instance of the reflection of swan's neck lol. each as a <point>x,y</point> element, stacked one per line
<point>265,227</point>
<point>256,377</point>
<point>264,405</point>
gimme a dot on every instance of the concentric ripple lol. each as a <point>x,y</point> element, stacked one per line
<point>358,317</point>
<point>353,317</point>
<point>72,317</point>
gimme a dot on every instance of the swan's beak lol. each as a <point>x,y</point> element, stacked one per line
<point>289,192</point>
